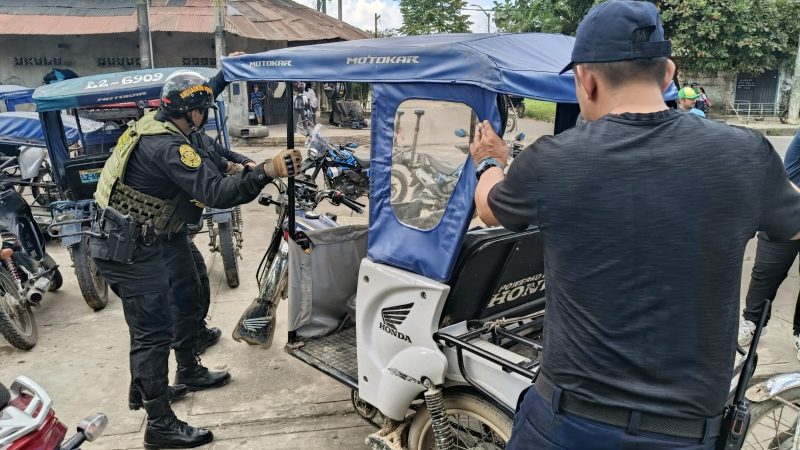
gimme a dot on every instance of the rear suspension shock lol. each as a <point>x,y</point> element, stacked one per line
<point>442,432</point>
<point>6,255</point>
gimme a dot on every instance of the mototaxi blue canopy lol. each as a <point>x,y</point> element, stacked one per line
<point>24,128</point>
<point>517,64</point>
<point>13,95</point>
<point>110,89</point>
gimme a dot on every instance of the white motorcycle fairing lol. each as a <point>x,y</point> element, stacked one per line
<point>397,313</point>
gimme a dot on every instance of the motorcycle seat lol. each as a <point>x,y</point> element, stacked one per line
<point>443,167</point>
<point>363,162</point>
<point>496,270</point>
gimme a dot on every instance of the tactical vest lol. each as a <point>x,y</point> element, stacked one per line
<point>111,191</point>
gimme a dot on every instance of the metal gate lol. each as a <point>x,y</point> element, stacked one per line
<point>757,95</point>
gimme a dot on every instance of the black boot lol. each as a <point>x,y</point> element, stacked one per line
<point>176,392</point>
<point>206,337</point>
<point>194,375</point>
<point>164,430</point>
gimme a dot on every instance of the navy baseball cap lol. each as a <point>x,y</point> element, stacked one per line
<point>619,30</point>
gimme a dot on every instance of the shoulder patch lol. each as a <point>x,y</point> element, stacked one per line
<point>189,156</point>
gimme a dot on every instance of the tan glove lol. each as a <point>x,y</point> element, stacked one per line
<point>284,164</point>
<point>233,168</point>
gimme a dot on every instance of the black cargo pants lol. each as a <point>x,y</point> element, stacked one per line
<point>205,284</point>
<point>185,287</point>
<point>774,258</point>
<point>144,289</point>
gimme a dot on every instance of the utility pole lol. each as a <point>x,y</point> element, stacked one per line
<point>340,9</point>
<point>794,99</point>
<point>145,42</point>
<point>488,17</point>
<point>219,32</point>
<point>377,16</point>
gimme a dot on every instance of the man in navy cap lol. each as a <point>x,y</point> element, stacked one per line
<point>645,213</point>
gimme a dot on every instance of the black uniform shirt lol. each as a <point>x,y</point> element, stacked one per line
<point>165,166</point>
<point>645,220</point>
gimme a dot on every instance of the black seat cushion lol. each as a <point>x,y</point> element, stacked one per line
<point>496,270</point>
<point>364,162</point>
<point>443,167</point>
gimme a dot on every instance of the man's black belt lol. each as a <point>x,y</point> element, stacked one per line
<point>633,421</point>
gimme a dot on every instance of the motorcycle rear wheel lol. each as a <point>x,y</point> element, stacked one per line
<point>227,248</point>
<point>18,327</point>
<point>56,282</point>
<point>773,423</point>
<point>474,421</point>
<point>399,187</point>
<point>93,286</point>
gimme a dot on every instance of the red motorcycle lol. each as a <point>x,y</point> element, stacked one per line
<point>27,420</point>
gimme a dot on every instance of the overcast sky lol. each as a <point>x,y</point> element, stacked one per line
<point>360,13</point>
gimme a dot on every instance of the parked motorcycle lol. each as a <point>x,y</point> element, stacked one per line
<point>432,180</point>
<point>342,169</point>
<point>225,228</point>
<point>26,270</point>
<point>28,422</point>
<point>257,324</point>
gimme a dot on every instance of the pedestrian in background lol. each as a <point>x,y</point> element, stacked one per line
<point>257,103</point>
<point>774,258</point>
<point>699,102</point>
<point>687,99</point>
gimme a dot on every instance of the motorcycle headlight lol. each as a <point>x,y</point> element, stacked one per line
<point>314,153</point>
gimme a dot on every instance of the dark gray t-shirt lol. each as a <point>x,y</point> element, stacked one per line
<point>645,220</point>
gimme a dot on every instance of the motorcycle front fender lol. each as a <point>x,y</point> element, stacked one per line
<point>775,385</point>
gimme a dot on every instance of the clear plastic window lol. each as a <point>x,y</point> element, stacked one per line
<point>431,145</point>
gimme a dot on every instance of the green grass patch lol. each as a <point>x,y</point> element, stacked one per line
<point>539,110</point>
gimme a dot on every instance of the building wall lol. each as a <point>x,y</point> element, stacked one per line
<point>25,60</point>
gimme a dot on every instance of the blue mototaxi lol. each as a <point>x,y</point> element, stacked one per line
<point>12,96</point>
<point>76,176</point>
<point>447,318</point>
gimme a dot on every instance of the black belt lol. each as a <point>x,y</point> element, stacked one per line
<point>633,421</point>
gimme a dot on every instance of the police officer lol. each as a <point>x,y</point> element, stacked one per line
<point>153,184</point>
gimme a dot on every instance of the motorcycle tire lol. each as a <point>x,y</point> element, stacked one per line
<point>56,282</point>
<point>44,196</point>
<point>21,332</point>
<point>399,186</point>
<point>478,411</point>
<point>93,286</point>
<point>770,424</point>
<point>227,248</point>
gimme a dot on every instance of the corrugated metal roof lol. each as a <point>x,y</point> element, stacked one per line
<point>272,20</point>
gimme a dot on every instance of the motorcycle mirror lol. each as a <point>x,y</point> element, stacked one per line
<point>93,426</point>
<point>351,145</point>
<point>519,137</point>
<point>461,133</point>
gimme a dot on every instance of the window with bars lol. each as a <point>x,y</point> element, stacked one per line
<point>37,61</point>
<point>199,62</point>
<point>119,61</point>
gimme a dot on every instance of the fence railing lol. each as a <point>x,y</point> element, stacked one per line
<point>746,110</point>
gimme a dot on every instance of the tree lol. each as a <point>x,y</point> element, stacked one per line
<point>543,16</point>
<point>711,36</point>
<point>433,16</point>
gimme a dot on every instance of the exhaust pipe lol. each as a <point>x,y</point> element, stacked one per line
<point>36,293</point>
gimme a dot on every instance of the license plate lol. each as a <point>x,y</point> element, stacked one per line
<point>90,176</point>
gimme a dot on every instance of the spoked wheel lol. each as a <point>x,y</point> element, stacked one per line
<point>476,424</point>
<point>511,122</point>
<point>229,250</point>
<point>44,190</point>
<point>17,324</point>
<point>93,286</point>
<point>399,186</point>
<point>773,422</point>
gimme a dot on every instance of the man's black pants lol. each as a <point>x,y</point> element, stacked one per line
<point>774,258</point>
<point>144,289</point>
<point>185,290</point>
<point>205,285</point>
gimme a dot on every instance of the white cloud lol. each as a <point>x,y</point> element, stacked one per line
<point>360,13</point>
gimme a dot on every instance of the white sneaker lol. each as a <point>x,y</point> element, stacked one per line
<point>797,345</point>
<point>746,331</point>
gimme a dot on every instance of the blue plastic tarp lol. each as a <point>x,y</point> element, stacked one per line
<point>104,89</point>
<point>520,65</point>
<point>26,127</point>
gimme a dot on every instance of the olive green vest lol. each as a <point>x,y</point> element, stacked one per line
<point>111,191</point>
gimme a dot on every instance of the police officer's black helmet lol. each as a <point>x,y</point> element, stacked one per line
<point>184,91</point>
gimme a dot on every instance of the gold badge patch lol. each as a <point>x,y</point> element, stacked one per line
<point>189,156</point>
